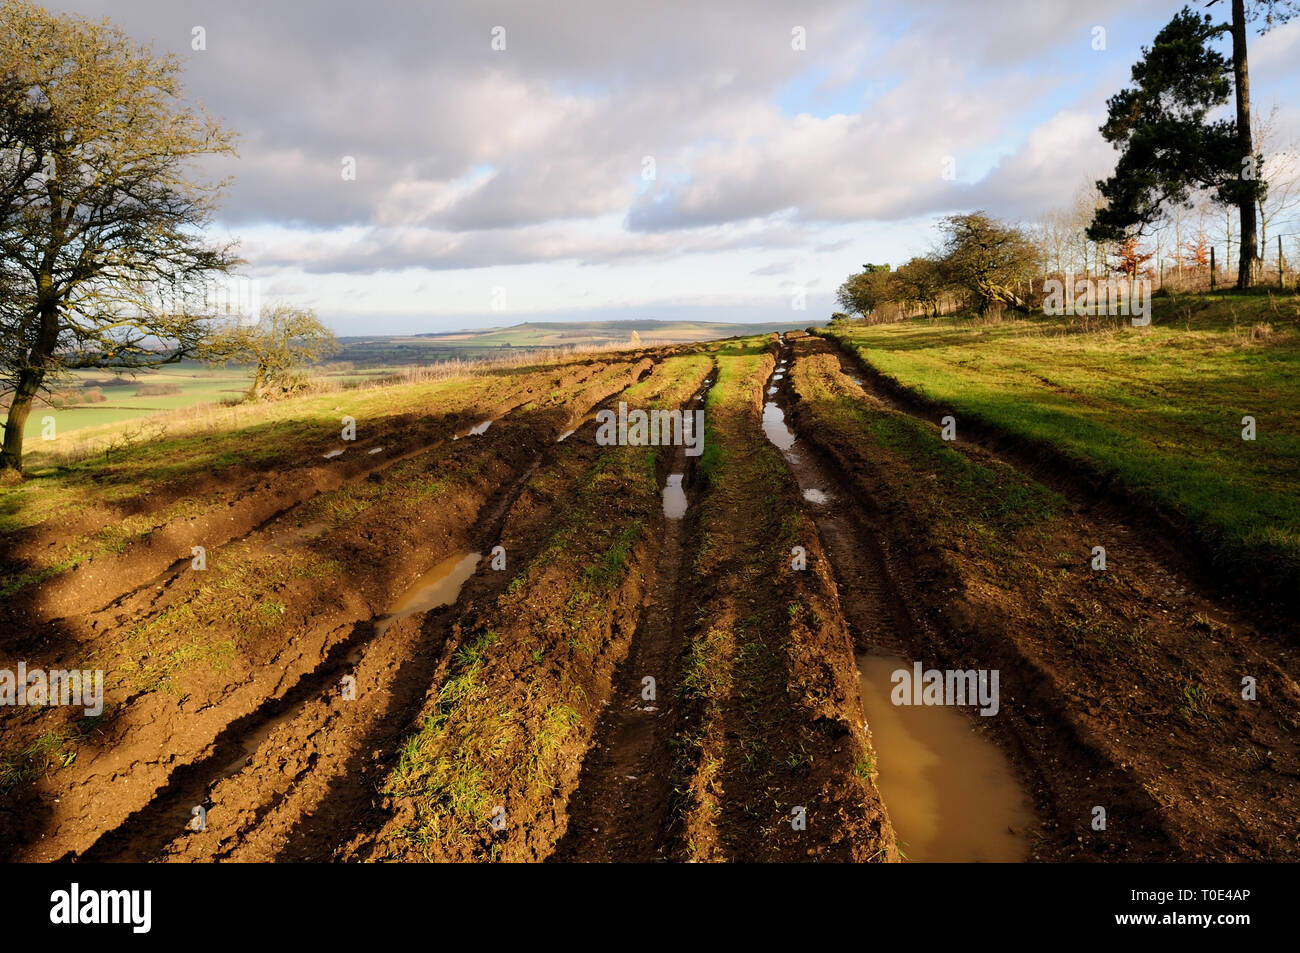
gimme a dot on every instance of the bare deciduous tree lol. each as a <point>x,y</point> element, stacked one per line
<point>277,346</point>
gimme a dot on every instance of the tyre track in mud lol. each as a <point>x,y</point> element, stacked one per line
<point>1068,762</point>
<point>773,761</point>
<point>120,757</point>
<point>265,502</point>
<point>876,613</point>
<point>867,568</point>
<point>304,774</point>
<point>262,736</point>
<point>620,810</point>
<point>543,655</point>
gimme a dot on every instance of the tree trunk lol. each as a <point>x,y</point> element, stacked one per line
<point>259,384</point>
<point>29,385</point>
<point>11,457</point>
<point>1248,239</point>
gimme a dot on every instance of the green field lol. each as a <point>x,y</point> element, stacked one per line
<point>198,383</point>
<point>1158,409</point>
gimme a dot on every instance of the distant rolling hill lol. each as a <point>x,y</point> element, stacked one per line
<point>447,345</point>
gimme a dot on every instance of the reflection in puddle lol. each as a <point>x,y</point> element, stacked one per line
<point>674,497</point>
<point>438,587</point>
<point>564,436</point>
<point>332,454</point>
<point>949,791</point>
<point>775,427</point>
<point>476,431</point>
<point>783,438</point>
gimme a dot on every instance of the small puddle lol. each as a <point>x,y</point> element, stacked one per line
<point>476,431</point>
<point>674,497</point>
<point>813,495</point>
<point>566,435</point>
<point>949,790</point>
<point>775,427</point>
<point>438,587</point>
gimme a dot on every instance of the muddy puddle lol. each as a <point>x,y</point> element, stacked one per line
<point>477,430</point>
<point>674,497</point>
<point>775,427</point>
<point>438,587</point>
<point>950,791</point>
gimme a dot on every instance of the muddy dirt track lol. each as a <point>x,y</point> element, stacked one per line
<point>497,638</point>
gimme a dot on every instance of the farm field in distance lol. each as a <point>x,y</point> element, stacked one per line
<point>540,335</point>
<point>360,361</point>
<point>432,642</point>
<point>171,387</point>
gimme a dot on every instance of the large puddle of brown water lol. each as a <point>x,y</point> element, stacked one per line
<point>950,791</point>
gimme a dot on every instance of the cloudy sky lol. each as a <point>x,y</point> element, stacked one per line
<point>665,159</point>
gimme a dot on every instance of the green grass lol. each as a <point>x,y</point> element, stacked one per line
<point>198,384</point>
<point>52,749</point>
<point>1156,409</point>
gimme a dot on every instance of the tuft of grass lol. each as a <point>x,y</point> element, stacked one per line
<point>52,749</point>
